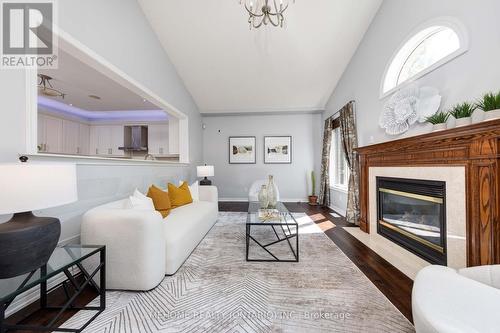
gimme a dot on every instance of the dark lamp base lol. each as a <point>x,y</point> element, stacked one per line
<point>205,182</point>
<point>26,243</point>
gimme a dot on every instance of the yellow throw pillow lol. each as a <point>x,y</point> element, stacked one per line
<point>161,200</point>
<point>179,196</point>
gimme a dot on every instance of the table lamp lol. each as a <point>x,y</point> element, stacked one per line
<point>27,241</point>
<point>205,171</point>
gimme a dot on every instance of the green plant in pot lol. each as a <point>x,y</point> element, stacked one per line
<point>490,104</point>
<point>463,113</point>
<point>438,120</point>
<point>313,198</point>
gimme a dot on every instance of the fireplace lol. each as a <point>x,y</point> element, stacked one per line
<point>412,213</point>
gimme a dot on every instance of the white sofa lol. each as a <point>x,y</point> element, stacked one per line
<point>141,246</point>
<point>445,300</point>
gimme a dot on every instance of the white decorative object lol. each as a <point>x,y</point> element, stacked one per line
<point>438,127</point>
<point>463,121</point>
<point>408,106</point>
<point>492,115</point>
<point>428,103</point>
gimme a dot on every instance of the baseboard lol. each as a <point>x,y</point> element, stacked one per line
<point>33,294</point>
<point>246,200</point>
<point>338,210</point>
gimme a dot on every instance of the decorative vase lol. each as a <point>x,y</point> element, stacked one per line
<point>438,127</point>
<point>271,193</point>
<point>492,115</point>
<point>263,201</point>
<point>463,121</point>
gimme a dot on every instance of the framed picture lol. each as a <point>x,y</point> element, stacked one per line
<point>278,149</point>
<point>242,149</point>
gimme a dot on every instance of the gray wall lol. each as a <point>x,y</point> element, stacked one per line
<point>464,78</point>
<point>234,180</point>
<point>118,31</point>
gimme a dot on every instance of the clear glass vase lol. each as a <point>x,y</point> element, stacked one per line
<point>272,196</point>
<point>263,201</point>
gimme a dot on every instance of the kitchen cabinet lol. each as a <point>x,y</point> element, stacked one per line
<point>71,137</point>
<point>84,139</point>
<point>50,134</point>
<point>158,140</point>
<point>106,139</point>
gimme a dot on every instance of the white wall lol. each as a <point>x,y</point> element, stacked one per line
<point>464,78</point>
<point>234,180</point>
<point>118,31</point>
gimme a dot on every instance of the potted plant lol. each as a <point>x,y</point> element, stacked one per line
<point>438,120</point>
<point>463,113</point>
<point>490,104</point>
<point>313,198</point>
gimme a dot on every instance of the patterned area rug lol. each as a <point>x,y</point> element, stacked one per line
<point>216,290</point>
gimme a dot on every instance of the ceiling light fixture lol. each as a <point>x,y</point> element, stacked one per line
<point>264,12</point>
<point>46,88</point>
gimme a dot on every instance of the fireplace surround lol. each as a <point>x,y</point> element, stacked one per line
<point>412,214</point>
<point>476,148</point>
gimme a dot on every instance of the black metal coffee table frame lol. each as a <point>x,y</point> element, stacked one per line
<point>78,288</point>
<point>287,237</point>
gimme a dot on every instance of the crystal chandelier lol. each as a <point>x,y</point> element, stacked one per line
<point>264,12</point>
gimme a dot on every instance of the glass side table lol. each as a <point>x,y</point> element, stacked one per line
<point>62,260</point>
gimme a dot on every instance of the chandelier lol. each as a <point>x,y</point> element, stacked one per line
<point>264,12</point>
<point>45,87</point>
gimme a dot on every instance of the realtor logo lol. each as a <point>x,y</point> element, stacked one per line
<point>27,34</point>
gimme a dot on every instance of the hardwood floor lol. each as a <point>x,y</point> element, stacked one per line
<point>389,280</point>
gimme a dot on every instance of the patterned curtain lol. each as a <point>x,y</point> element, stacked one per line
<point>324,190</point>
<point>349,137</point>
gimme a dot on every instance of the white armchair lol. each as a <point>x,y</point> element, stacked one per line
<point>445,300</point>
<point>253,193</point>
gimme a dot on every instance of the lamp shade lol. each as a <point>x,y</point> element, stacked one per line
<point>25,187</point>
<point>205,171</point>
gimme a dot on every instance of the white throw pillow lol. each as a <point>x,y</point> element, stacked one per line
<point>194,189</point>
<point>140,201</point>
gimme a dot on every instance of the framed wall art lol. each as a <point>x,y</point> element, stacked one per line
<point>278,149</point>
<point>242,150</point>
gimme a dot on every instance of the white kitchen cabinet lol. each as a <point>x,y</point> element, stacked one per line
<point>84,139</point>
<point>70,137</point>
<point>50,134</point>
<point>106,139</point>
<point>158,140</point>
<point>173,136</point>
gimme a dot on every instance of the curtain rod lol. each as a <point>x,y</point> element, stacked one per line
<point>351,101</point>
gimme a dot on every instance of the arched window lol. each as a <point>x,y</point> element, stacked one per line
<point>434,44</point>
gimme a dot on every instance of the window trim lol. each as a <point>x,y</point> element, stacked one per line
<point>450,22</point>
<point>333,185</point>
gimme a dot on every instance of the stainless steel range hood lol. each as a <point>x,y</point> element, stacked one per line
<point>136,138</point>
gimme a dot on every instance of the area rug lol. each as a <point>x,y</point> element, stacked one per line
<point>216,290</point>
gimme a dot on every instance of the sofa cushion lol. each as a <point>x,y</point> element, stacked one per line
<point>179,196</point>
<point>161,200</point>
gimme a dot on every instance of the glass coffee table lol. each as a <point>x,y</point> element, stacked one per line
<point>274,233</point>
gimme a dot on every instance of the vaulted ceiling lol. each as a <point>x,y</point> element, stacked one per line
<point>229,68</point>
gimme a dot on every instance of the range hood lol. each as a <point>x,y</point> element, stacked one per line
<point>136,138</point>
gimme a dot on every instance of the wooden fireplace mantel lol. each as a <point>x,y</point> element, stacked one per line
<point>477,148</point>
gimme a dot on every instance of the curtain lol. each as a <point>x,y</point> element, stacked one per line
<point>349,137</point>
<point>324,190</point>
